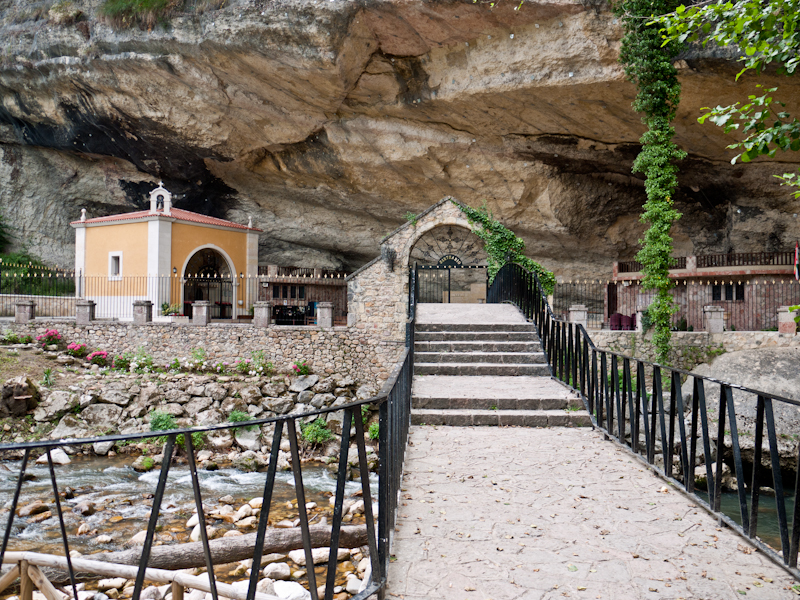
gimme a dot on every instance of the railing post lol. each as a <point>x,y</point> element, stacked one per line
<point>26,583</point>
<point>24,311</point>
<point>142,312</point>
<point>84,312</point>
<point>325,314</point>
<point>262,314</point>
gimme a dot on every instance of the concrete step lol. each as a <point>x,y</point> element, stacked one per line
<point>506,358</point>
<point>471,336</point>
<point>472,369</point>
<point>450,346</point>
<point>454,403</point>
<point>504,418</point>
<point>475,327</point>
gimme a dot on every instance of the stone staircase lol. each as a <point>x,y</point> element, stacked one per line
<point>488,369</point>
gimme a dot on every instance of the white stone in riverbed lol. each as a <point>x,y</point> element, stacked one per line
<point>111,584</point>
<point>256,503</point>
<point>232,533</point>
<point>319,555</point>
<point>57,454</point>
<point>278,571</point>
<point>102,448</point>
<point>84,529</point>
<point>193,521</point>
<point>290,590</point>
<point>138,539</point>
<point>247,522</point>
<point>273,557</point>
<point>245,511</point>
<point>353,584</point>
<point>226,509</point>
<point>266,586</point>
<point>103,539</point>
<point>195,535</point>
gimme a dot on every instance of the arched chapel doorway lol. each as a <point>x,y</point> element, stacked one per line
<point>208,276</point>
<point>449,264</point>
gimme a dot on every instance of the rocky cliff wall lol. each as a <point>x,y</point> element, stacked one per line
<point>327,121</point>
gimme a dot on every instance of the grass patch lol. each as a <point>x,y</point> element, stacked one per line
<point>143,13</point>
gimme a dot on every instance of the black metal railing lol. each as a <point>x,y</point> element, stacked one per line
<point>393,404</point>
<point>633,266</point>
<point>641,405</point>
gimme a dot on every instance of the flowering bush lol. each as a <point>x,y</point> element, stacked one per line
<point>243,366</point>
<point>301,368</point>
<point>76,349</point>
<point>122,362</point>
<point>99,357</point>
<point>48,338</point>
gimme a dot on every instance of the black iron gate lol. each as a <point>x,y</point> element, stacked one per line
<point>446,283</point>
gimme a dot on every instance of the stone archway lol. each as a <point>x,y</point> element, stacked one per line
<point>448,244</point>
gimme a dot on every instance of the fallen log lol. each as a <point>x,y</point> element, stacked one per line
<point>223,550</point>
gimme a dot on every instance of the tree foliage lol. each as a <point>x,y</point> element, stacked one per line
<point>768,34</point>
<point>503,246</point>
<point>648,64</point>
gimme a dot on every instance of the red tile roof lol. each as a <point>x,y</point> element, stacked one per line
<point>176,214</point>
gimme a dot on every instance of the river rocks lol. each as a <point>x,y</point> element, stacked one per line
<point>248,439</point>
<point>319,555</point>
<point>34,508</point>
<point>216,391</point>
<point>116,583</point>
<point>219,439</point>
<point>353,584</point>
<point>249,461</point>
<point>143,464</point>
<point>102,448</point>
<point>18,396</point>
<point>103,539</point>
<point>278,571</point>
<point>69,427</point>
<point>291,590</point>
<point>211,532</point>
<point>102,416</point>
<point>85,509</point>
<point>303,382</point>
<point>58,456</point>
<point>115,396</point>
<point>56,404</point>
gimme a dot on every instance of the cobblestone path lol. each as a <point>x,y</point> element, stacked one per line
<point>523,513</point>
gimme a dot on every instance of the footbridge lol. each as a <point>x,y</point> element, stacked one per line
<point>515,460</point>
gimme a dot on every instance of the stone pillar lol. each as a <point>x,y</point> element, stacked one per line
<point>325,314</point>
<point>786,322</point>
<point>24,311</point>
<point>262,314</point>
<point>714,319</point>
<point>84,312</point>
<point>579,315</point>
<point>201,312</point>
<point>640,310</point>
<point>142,312</point>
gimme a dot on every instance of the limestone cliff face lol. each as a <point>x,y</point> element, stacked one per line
<point>328,120</point>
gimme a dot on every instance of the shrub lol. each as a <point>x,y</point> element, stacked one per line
<point>161,421</point>
<point>374,431</point>
<point>243,366</point>
<point>49,338</point>
<point>142,362</point>
<point>144,13</point>
<point>261,366</point>
<point>315,432</point>
<point>98,357</point>
<point>9,337</point>
<point>77,350</point>
<point>239,416</point>
<point>170,309</point>
<point>122,362</point>
<point>301,368</point>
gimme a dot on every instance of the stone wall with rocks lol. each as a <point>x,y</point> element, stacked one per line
<point>691,348</point>
<point>377,294</point>
<point>123,403</point>
<point>363,354</point>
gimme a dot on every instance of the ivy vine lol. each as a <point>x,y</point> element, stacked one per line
<point>503,246</point>
<point>648,64</point>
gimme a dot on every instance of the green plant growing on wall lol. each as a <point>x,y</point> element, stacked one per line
<point>648,64</point>
<point>502,245</point>
<point>144,13</point>
<point>316,432</point>
<point>411,218</point>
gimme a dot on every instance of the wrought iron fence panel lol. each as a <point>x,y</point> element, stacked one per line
<point>393,403</point>
<point>627,399</point>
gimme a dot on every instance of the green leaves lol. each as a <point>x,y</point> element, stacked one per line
<point>648,64</point>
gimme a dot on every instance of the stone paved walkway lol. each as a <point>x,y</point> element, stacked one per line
<point>520,513</point>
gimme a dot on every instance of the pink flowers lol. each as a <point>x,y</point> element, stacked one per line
<point>49,337</point>
<point>99,357</point>
<point>76,349</point>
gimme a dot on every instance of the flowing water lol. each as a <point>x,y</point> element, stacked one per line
<point>768,529</point>
<point>123,498</point>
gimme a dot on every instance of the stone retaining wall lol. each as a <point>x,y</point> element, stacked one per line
<point>363,355</point>
<point>692,348</point>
